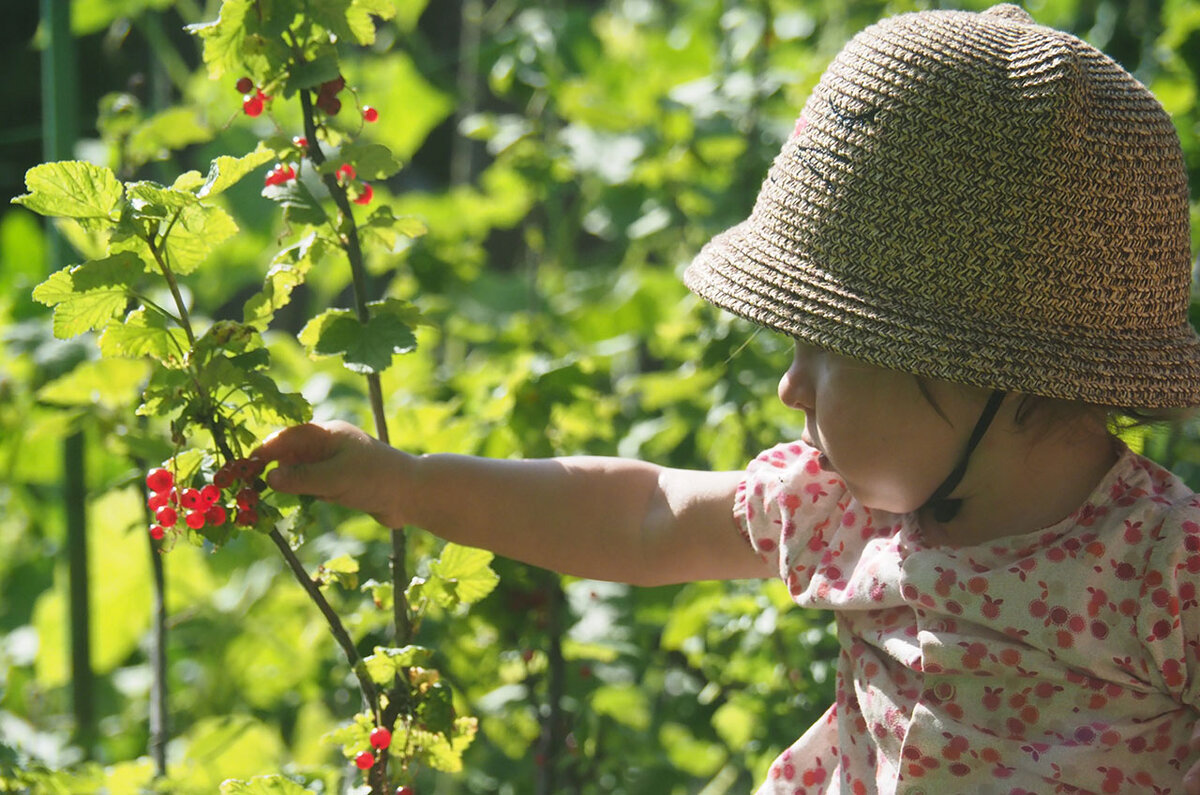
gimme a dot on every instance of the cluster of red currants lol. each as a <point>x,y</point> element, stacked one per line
<point>346,174</point>
<point>380,738</point>
<point>252,103</point>
<point>204,506</point>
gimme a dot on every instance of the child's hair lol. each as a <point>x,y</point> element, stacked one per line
<point>981,199</point>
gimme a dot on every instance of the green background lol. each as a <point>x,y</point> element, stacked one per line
<point>568,158</point>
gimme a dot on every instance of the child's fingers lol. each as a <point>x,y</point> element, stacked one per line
<point>313,479</point>
<point>298,444</point>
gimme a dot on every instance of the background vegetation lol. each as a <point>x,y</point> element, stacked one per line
<point>568,159</point>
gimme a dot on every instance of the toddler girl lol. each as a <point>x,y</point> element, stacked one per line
<point>978,238</point>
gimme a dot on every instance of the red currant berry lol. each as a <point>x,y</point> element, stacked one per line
<point>331,88</point>
<point>370,114</point>
<point>210,494</point>
<point>215,515</point>
<point>365,760</point>
<point>247,498</point>
<point>258,92</point>
<point>157,501</point>
<point>332,106</point>
<point>405,790</point>
<point>224,478</point>
<point>195,520</point>
<point>254,467</point>
<point>300,142</point>
<point>241,469</point>
<point>189,499</point>
<point>367,194</point>
<point>346,172</point>
<point>160,480</point>
<point>157,532</point>
<point>380,738</point>
<point>247,517</point>
<point>167,517</point>
<point>244,85</point>
<point>252,105</point>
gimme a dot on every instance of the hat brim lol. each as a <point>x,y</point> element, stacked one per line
<point>746,271</point>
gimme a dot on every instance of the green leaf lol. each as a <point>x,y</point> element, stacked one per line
<point>370,161</point>
<point>466,572</point>
<point>144,333</point>
<point>298,203</point>
<point>226,171</point>
<point>390,230</point>
<point>343,569</point>
<point>195,235</point>
<point>151,198</point>
<point>111,383</point>
<point>72,189</point>
<point>174,128</point>
<point>312,73</point>
<point>383,665</point>
<point>224,37</point>
<point>360,21</point>
<point>263,785</point>
<point>86,296</point>
<point>364,348</point>
<point>288,270</point>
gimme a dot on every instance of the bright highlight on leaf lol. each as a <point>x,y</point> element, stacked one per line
<point>72,189</point>
<point>87,296</point>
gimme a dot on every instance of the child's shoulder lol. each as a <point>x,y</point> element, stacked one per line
<point>1148,493</point>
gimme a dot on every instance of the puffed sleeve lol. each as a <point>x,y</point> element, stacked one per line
<point>1169,616</point>
<point>786,506</point>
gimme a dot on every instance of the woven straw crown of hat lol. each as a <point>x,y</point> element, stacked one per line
<point>981,199</point>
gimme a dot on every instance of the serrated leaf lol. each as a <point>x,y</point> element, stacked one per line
<point>299,205</point>
<point>144,333</point>
<point>146,195</point>
<point>87,296</point>
<point>359,18</point>
<point>466,571</point>
<point>263,785</point>
<point>195,235</point>
<point>370,161</point>
<point>189,181</point>
<point>226,171</point>
<point>224,37</point>
<point>288,270</point>
<point>72,189</point>
<point>365,348</point>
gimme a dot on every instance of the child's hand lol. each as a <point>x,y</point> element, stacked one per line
<point>336,461</point>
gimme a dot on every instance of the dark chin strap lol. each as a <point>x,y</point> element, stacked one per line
<point>939,503</point>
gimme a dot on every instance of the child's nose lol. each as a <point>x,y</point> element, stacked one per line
<point>795,387</point>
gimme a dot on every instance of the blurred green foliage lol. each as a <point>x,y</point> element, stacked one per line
<point>568,164</point>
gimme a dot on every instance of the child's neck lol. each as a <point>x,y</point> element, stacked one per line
<point>1018,483</point>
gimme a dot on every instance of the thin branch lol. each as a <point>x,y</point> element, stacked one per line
<point>335,623</point>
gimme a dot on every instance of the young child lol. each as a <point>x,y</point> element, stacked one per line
<point>978,238</point>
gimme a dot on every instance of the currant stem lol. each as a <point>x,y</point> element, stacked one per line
<point>335,623</point>
<point>169,275</point>
<point>358,275</point>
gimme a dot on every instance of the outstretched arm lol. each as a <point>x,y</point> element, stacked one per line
<point>602,518</point>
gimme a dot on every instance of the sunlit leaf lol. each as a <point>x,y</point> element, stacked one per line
<point>111,383</point>
<point>165,132</point>
<point>364,348</point>
<point>264,785</point>
<point>72,189</point>
<point>226,171</point>
<point>145,333</point>
<point>86,296</point>
<point>298,203</point>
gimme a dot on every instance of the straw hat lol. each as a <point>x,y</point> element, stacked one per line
<point>981,199</point>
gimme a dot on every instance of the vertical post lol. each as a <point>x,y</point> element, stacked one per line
<point>59,131</point>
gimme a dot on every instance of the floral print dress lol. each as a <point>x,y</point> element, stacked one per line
<point>1064,660</point>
